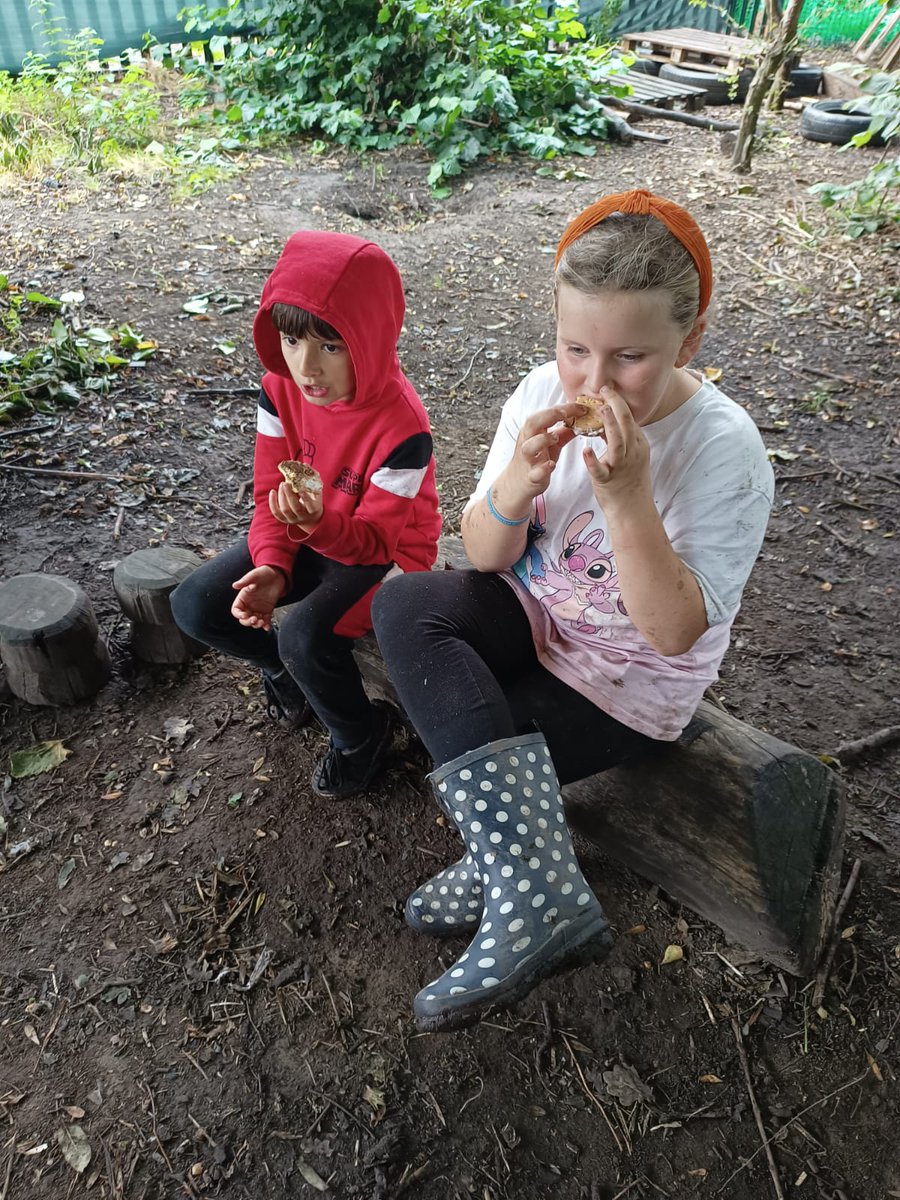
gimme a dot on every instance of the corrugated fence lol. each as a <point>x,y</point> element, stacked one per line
<point>123,23</point>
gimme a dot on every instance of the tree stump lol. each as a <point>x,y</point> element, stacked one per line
<point>49,640</point>
<point>143,583</point>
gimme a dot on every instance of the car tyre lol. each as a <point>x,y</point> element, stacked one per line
<point>717,85</point>
<point>830,121</point>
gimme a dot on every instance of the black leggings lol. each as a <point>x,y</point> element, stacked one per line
<point>460,652</point>
<point>319,660</point>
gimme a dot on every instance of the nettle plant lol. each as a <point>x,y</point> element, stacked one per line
<point>869,203</point>
<point>462,78</point>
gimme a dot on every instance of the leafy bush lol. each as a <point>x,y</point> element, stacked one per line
<point>869,203</point>
<point>462,78</point>
<point>50,367</point>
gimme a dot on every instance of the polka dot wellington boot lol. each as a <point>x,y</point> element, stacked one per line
<point>539,915</point>
<point>449,904</point>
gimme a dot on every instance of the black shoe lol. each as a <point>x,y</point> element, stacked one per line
<point>345,772</point>
<point>285,702</point>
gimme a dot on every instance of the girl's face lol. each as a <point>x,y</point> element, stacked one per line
<point>322,370</point>
<point>629,342</point>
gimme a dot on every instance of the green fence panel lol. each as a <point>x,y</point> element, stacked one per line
<point>829,21</point>
<point>824,21</point>
<point>121,23</point>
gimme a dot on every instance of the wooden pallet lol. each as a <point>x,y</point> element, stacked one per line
<point>660,93</point>
<point>879,46</point>
<point>694,48</point>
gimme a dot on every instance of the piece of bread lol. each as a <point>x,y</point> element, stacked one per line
<point>301,477</point>
<point>588,424</point>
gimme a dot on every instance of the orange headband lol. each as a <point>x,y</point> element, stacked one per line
<point>644,203</point>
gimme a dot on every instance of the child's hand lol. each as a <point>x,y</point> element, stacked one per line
<point>258,592</point>
<point>625,467</point>
<point>540,441</point>
<point>304,510</point>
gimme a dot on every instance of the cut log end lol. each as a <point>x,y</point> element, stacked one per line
<point>143,583</point>
<point>49,641</point>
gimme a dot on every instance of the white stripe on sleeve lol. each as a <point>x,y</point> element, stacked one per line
<point>404,482</point>
<point>268,424</point>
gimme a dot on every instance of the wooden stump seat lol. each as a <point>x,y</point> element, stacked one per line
<point>49,640</point>
<point>143,583</point>
<point>738,825</point>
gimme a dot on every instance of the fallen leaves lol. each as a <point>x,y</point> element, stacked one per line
<point>75,1147</point>
<point>35,760</point>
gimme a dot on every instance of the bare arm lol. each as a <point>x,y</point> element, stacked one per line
<point>661,594</point>
<point>490,544</point>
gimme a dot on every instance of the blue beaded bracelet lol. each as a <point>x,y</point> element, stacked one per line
<point>501,519</point>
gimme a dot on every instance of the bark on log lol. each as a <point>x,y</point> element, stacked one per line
<point>49,640</point>
<point>741,827</point>
<point>143,583</point>
<point>671,114</point>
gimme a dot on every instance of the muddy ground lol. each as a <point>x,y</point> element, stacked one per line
<point>178,847</point>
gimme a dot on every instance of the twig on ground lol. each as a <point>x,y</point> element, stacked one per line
<point>117,528</point>
<point>831,947</point>
<point>468,371</point>
<point>220,391</point>
<point>773,1168</point>
<point>845,541</point>
<point>802,1113</point>
<point>28,429</point>
<point>59,474</point>
<point>848,751</point>
<point>4,1191</point>
<point>590,1095</point>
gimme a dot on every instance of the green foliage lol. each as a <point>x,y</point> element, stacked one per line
<point>52,360</point>
<point>462,78</point>
<point>872,202</point>
<point>600,23</point>
<point>63,112</point>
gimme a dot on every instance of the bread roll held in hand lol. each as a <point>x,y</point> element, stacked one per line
<point>588,424</point>
<point>301,477</point>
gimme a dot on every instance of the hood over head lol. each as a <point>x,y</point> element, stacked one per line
<point>350,283</point>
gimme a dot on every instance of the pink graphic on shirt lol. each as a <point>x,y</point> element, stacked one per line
<point>584,580</point>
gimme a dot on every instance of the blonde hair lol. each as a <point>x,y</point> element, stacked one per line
<point>629,252</point>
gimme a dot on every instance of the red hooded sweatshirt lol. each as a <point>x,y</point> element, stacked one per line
<point>373,452</point>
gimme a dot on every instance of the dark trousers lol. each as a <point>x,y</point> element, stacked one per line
<point>460,653</point>
<point>319,660</point>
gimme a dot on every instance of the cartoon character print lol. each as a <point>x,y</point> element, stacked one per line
<point>584,582</point>
<point>531,567</point>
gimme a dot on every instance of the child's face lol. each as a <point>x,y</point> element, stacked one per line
<point>322,370</point>
<point>627,341</point>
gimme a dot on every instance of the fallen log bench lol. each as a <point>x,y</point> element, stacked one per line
<point>736,824</point>
<point>49,640</point>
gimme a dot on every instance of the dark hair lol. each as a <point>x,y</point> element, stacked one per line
<point>297,322</point>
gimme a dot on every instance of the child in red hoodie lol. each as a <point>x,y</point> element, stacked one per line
<point>334,398</point>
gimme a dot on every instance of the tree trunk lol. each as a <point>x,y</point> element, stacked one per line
<point>783,36</point>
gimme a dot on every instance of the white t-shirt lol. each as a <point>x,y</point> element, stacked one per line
<point>713,486</point>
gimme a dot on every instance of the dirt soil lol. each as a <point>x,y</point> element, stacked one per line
<point>205,978</point>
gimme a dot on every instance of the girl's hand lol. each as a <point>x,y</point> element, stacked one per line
<point>258,592</point>
<point>538,447</point>
<point>625,467</point>
<point>304,510</point>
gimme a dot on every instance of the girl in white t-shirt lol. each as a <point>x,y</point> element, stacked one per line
<point>608,571</point>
